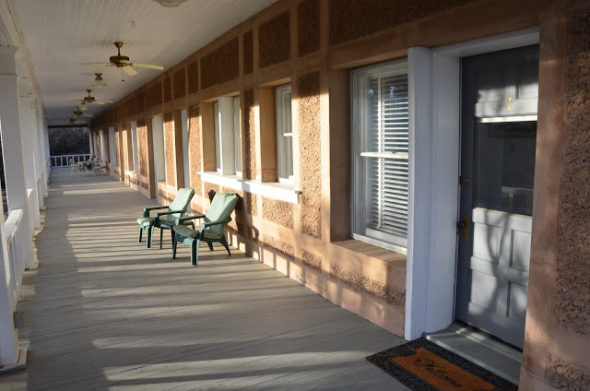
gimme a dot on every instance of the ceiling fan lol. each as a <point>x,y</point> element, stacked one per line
<point>124,63</point>
<point>79,113</point>
<point>91,99</point>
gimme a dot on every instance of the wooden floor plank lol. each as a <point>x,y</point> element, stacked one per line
<point>103,312</point>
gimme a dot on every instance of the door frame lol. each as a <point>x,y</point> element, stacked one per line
<point>434,164</point>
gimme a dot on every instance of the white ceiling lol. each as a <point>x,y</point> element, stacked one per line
<point>61,34</point>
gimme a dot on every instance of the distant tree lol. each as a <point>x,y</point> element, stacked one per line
<point>68,141</point>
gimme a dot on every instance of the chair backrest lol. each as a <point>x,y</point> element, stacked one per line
<point>221,207</point>
<point>182,200</point>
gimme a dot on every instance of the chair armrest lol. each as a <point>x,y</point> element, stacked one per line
<point>171,212</point>
<point>181,220</point>
<point>146,211</point>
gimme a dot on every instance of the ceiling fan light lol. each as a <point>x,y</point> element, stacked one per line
<point>83,106</point>
<point>98,82</point>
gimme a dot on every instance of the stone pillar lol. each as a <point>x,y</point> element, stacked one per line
<point>8,335</point>
<point>29,143</point>
<point>13,148</point>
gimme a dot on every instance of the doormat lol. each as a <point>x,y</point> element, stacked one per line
<point>422,365</point>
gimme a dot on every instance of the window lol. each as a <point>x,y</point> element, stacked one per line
<point>380,154</point>
<point>237,136</point>
<point>284,134</point>
<point>134,145</point>
<point>228,137</point>
<point>112,150</point>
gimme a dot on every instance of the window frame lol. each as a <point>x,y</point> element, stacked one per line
<point>359,156</point>
<point>284,121</point>
<point>224,128</point>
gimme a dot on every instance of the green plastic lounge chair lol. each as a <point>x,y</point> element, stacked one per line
<point>166,219</point>
<point>211,230</point>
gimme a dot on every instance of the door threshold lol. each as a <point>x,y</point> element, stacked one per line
<point>481,349</point>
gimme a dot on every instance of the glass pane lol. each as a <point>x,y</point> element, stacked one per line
<point>504,166</point>
<point>237,135</point>
<point>217,120</point>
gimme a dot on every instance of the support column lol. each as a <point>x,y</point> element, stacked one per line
<point>12,147</point>
<point>28,139</point>
<point>11,356</point>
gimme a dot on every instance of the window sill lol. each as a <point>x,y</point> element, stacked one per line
<point>364,248</point>
<point>273,190</point>
<point>385,245</point>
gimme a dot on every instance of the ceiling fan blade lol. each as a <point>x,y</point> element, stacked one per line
<point>96,63</point>
<point>149,66</point>
<point>129,70</point>
<point>87,115</point>
<point>103,102</point>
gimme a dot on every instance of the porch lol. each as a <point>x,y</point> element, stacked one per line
<point>104,312</point>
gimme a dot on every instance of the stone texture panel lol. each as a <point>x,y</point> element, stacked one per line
<point>310,148</point>
<point>179,83</point>
<point>169,149</point>
<point>572,302</point>
<point>311,260</point>
<point>140,102</point>
<point>167,90</point>
<point>193,77</point>
<point>248,45</point>
<point>564,376</point>
<point>279,212</point>
<point>280,246</point>
<point>274,40</point>
<point>249,140</point>
<point>308,26</point>
<point>194,148</point>
<point>154,95</point>
<point>220,65</point>
<point>391,295</point>
<point>142,151</point>
<point>352,19</point>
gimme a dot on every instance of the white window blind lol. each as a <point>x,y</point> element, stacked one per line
<point>380,149</point>
<point>284,133</point>
<point>217,115</point>
<point>185,142</point>
<point>237,135</point>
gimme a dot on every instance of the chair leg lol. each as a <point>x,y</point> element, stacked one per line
<point>195,251</point>
<point>210,245</point>
<point>172,235</point>
<point>174,243</point>
<point>140,233</point>
<point>224,242</point>
<point>161,234</point>
<point>150,232</point>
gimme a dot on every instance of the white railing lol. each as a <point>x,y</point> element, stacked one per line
<point>15,242</point>
<point>68,160</point>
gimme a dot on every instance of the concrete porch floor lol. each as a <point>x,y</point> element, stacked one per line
<point>103,312</point>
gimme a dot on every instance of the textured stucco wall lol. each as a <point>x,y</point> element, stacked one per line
<point>194,148</point>
<point>220,65</point>
<point>249,139</point>
<point>274,40</point>
<point>193,77</point>
<point>142,152</point>
<point>308,90</point>
<point>279,212</point>
<point>352,19</point>
<point>248,42</point>
<point>308,26</point>
<point>169,149</point>
<point>179,80</point>
<point>167,89</point>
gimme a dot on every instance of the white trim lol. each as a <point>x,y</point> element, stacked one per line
<point>514,118</point>
<point>435,118</point>
<point>275,191</point>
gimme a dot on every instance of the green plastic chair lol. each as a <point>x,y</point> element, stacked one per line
<point>211,230</point>
<point>167,219</point>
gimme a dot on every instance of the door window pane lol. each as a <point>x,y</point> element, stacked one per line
<point>505,166</point>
